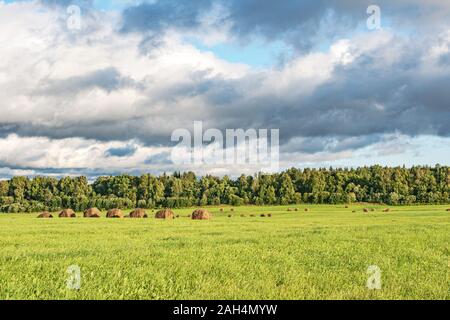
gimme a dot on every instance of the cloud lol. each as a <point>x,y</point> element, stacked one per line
<point>107,98</point>
<point>160,158</point>
<point>40,155</point>
<point>159,15</point>
<point>301,23</point>
<point>66,3</point>
<point>108,79</point>
<point>128,150</point>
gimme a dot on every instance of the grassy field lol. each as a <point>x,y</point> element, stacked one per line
<point>320,254</point>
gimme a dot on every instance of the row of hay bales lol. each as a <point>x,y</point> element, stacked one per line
<point>199,214</point>
<point>366,210</point>
<point>296,209</point>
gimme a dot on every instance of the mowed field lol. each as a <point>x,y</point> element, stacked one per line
<point>323,253</point>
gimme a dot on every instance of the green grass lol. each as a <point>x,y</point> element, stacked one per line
<point>320,254</point>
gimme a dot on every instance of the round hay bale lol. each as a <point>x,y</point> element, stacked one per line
<point>242,215</point>
<point>289,209</point>
<point>232,209</point>
<point>114,213</point>
<point>366,210</point>
<point>45,215</point>
<point>262,215</point>
<point>67,213</point>
<point>354,211</point>
<point>229,216</point>
<point>306,209</point>
<point>296,209</point>
<point>269,215</point>
<point>252,215</point>
<point>346,207</point>
<point>138,213</point>
<point>201,214</point>
<point>92,213</point>
<point>448,209</point>
<point>221,209</point>
<point>386,210</point>
<point>164,214</point>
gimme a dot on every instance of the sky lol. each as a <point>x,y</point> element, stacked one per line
<point>103,95</point>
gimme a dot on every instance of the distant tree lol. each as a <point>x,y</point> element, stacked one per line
<point>398,185</point>
<point>287,191</point>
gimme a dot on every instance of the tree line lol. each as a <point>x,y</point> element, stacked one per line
<point>393,186</point>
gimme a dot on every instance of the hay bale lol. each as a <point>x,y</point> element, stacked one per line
<point>242,215</point>
<point>386,210</point>
<point>164,214</point>
<point>45,215</point>
<point>289,209</point>
<point>92,213</point>
<point>372,209</point>
<point>296,209</point>
<point>232,209</point>
<point>221,209</point>
<point>366,210</point>
<point>448,209</point>
<point>252,215</point>
<point>306,209</point>
<point>262,215</point>
<point>229,216</point>
<point>138,213</point>
<point>67,213</point>
<point>346,207</point>
<point>354,211</point>
<point>201,214</point>
<point>114,213</point>
<point>269,215</point>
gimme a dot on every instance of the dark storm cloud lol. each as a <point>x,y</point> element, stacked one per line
<point>300,23</point>
<point>7,128</point>
<point>288,19</point>
<point>297,22</point>
<point>126,151</point>
<point>108,79</point>
<point>160,15</point>
<point>124,129</point>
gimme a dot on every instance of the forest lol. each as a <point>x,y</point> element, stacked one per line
<point>375,184</point>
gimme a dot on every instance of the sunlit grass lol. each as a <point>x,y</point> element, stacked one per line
<point>320,254</point>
